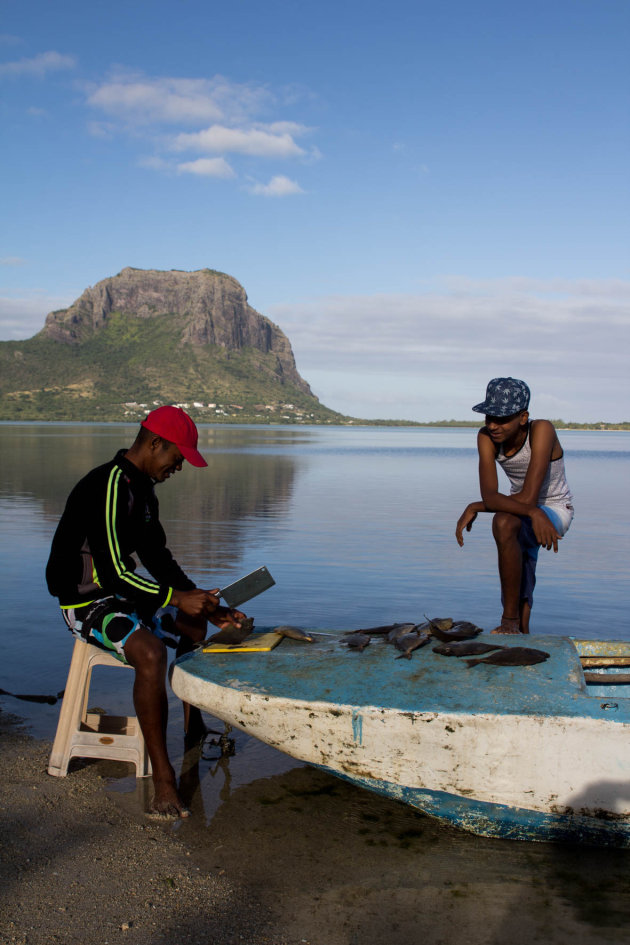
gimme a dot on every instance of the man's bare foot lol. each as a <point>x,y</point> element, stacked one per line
<point>167,802</point>
<point>508,625</point>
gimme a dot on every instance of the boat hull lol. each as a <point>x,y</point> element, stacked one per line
<point>484,752</point>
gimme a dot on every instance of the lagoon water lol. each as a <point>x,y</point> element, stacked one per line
<point>356,524</point>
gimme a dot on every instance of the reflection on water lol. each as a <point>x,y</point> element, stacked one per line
<point>357,527</point>
<point>355,524</point>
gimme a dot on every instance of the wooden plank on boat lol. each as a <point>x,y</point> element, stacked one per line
<point>607,679</point>
<point>605,661</point>
<point>254,643</point>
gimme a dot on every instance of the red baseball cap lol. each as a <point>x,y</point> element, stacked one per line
<point>174,424</point>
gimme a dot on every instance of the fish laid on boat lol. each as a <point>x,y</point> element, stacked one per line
<point>465,648</point>
<point>537,752</point>
<point>514,656</point>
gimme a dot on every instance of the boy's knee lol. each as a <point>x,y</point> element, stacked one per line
<point>505,525</point>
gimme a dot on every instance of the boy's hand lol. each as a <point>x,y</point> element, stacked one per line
<point>544,531</point>
<point>466,522</point>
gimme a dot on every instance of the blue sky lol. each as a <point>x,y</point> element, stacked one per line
<point>423,195</point>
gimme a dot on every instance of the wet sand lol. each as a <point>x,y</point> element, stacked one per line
<point>296,857</point>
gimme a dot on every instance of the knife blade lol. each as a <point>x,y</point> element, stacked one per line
<point>247,587</point>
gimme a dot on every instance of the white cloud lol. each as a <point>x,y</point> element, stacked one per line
<point>38,65</point>
<point>278,186</point>
<point>258,142</point>
<point>569,340</point>
<point>12,261</point>
<point>222,115</point>
<point>22,316</point>
<point>207,167</point>
<point>131,97</point>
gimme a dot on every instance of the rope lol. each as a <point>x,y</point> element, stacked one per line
<point>49,700</point>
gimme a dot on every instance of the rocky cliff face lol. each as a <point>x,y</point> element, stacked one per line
<point>207,308</point>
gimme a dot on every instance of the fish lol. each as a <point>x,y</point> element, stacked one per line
<point>513,656</point>
<point>294,633</point>
<point>381,631</point>
<point>231,635</point>
<point>357,641</point>
<point>442,623</point>
<point>401,630</point>
<point>411,642</point>
<point>461,631</point>
<point>465,648</point>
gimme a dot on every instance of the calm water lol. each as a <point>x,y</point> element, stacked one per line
<point>357,527</point>
<point>355,524</point>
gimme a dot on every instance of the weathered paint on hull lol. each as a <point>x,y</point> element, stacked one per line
<point>500,821</point>
<point>471,759</point>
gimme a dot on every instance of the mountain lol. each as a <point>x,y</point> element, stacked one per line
<point>146,337</point>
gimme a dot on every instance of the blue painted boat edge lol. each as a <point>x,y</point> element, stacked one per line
<point>499,821</point>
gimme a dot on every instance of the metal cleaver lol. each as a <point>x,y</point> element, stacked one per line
<point>247,587</point>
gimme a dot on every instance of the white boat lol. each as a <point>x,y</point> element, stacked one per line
<point>538,752</point>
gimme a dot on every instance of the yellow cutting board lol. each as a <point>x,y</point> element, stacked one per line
<point>254,643</point>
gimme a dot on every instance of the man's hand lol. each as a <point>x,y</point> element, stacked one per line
<point>196,603</point>
<point>223,617</point>
<point>465,521</point>
<point>544,531</point>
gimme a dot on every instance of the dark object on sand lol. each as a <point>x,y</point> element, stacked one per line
<point>411,642</point>
<point>293,633</point>
<point>465,648</point>
<point>357,641</point>
<point>513,656</point>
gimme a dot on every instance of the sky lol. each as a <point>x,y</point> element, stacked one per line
<point>422,195</point>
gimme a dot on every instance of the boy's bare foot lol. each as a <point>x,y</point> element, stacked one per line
<point>508,625</point>
<point>167,802</point>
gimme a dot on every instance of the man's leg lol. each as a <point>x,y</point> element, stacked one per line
<point>193,630</point>
<point>505,529</point>
<point>147,654</point>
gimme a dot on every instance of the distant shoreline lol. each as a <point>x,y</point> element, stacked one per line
<point>561,425</point>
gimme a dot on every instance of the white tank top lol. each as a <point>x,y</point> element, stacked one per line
<point>555,488</point>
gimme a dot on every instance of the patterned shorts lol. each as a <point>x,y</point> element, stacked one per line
<point>109,622</point>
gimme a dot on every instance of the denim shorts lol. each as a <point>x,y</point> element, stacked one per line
<point>560,518</point>
<point>109,622</point>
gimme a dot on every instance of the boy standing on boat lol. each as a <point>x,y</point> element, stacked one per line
<point>539,508</point>
<point>110,515</point>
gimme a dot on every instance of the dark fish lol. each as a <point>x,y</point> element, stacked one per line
<point>293,633</point>
<point>233,635</point>
<point>513,656</point>
<point>402,630</point>
<point>357,641</point>
<point>457,633</point>
<point>411,642</point>
<point>381,631</point>
<point>465,648</point>
<point>442,623</point>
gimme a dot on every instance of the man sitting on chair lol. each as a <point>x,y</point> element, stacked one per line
<point>111,514</point>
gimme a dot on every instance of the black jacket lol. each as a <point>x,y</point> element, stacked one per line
<point>111,513</point>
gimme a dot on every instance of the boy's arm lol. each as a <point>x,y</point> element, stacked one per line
<point>525,501</point>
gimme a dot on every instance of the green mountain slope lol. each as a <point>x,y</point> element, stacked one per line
<point>95,362</point>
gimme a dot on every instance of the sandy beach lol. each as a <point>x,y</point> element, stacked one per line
<point>298,857</point>
<point>75,867</point>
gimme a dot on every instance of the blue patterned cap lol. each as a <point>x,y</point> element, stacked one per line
<point>504,397</point>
